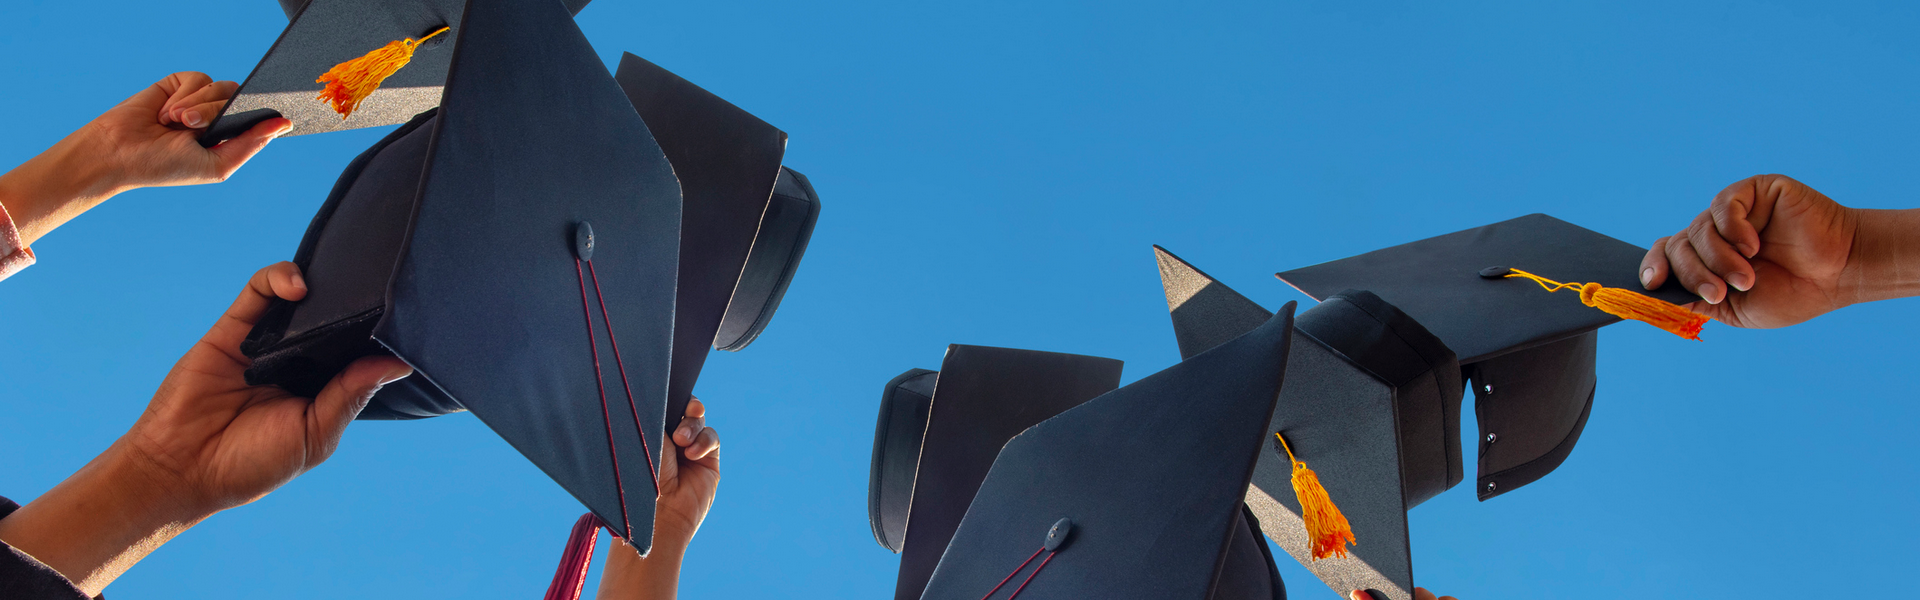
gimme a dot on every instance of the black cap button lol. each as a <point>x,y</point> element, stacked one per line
<point>583,240</point>
<point>1057,536</point>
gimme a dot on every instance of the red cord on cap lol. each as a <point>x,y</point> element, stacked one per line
<point>1016,571</point>
<point>575,560</point>
<point>635,408</point>
<point>605,415</point>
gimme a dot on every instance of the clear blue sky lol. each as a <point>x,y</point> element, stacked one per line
<point>994,173</point>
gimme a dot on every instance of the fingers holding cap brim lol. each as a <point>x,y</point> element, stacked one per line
<point>344,397</point>
<point>689,429</point>
<point>1733,214</point>
<point>198,109</point>
<point>704,444</point>
<point>1692,271</point>
<point>232,154</point>
<point>177,89</point>
<point>1653,267</point>
<point>279,280</point>
<point>1718,255</point>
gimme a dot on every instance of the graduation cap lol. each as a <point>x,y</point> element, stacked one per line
<point>1374,385</point>
<point>1529,353</point>
<point>1137,494</point>
<point>322,34</point>
<point>745,220</point>
<point>448,244</point>
<point>939,431</point>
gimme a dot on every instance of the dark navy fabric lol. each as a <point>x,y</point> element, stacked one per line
<point>23,578</point>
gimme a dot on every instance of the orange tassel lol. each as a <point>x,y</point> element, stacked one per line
<point>1328,533</point>
<point>1628,304</point>
<point>350,82</point>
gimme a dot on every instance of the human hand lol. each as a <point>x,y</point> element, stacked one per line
<point>221,443</point>
<point>688,483</point>
<point>150,140</point>
<point>207,442</point>
<point>1419,593</point>
<point>1785,249</point>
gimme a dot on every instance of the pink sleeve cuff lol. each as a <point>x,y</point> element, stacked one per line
<point>14,255</point>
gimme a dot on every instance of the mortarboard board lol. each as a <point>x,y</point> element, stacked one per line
<point>939,431</point>
<point>324,33</point>
<point>1136,494</point>
<point>449,244</point>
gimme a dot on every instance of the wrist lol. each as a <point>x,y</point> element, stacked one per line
<point>628,575</point>
<point>669,543</point>
<point>57,185</point>
<point>1884,260</point>
<point>100,521</point>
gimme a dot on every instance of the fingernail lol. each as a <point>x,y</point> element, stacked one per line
<point>1646,278</point>
<point>1740,281</point>
<point>298,281</point>
<point>192,118</point>
<point>395,375</point>
<point>1706,293</point>
<point>1746,250</point>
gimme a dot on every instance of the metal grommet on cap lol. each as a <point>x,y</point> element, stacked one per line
<point>1488,388</point>
<point>583,240</point>
<point>1491,487</point>
<point>1493,437</point>
<point>1057,536</point>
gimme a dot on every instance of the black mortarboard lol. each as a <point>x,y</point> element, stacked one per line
<point>449,245</point>
<point>738,202</point>
<point>1374,387</point>
<point>1529,353</point>
<point>939,431</point>
<point>324,33</point>
<point>1372,403</point>
<point>1137,494</point>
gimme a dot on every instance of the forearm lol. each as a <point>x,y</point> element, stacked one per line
<point>1884,262</point>
<point>97,523</point>
<point>629,577</point>
<point>56,186</point>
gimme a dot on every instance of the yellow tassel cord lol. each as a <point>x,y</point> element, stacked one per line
<point>350,82</point>
<point>1628,304</point>
<point>1327,530</point>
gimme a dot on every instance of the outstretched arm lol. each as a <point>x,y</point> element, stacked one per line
<point>206,443</point>
<point>150,140</point>
<point>687,487</point>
